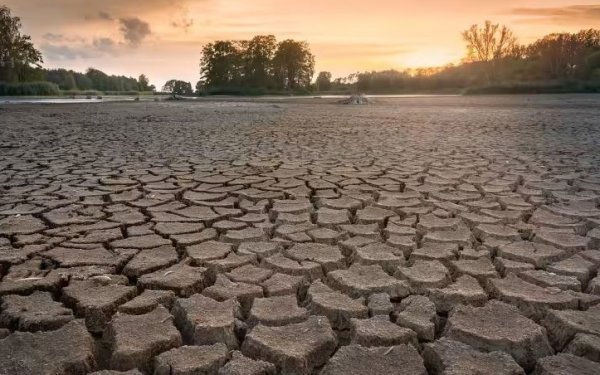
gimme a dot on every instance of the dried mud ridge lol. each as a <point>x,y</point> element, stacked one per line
<point>295,239</point>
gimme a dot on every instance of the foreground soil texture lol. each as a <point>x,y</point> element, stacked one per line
<point>448,235</point>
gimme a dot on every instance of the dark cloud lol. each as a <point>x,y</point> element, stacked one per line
<point>105,16</point>
<point>573,14</point>
<point>53,37</point>
<point>182,19</point>
<point>101,15</point>
<point>59,50</point>
<point>184,23</point>
<point>134,30</point>
<point>104,44</point>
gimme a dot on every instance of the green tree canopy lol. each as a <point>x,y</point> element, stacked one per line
<point>17,53</point>
<point>294,64</point>
<point>221,63</point>
<point>143,83</point>
<point>68,82</point>
<point>177,87</point>
<point>257,57</point>
<point>259,63</point>
<point>564,55</point>
<point>93,79</point>
<point>324,81</point>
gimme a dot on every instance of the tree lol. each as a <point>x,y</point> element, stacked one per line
<point>68,82</point>
<point>143,83</point>
<point>100,80</point>
<point>17,52</point>
<point>199,88</point>
<point>383,81</point>
<point>83,82</point>
<point>556,54</point>
<point>324,81</point>
<point>257,57</point>
<point>294,64</point>
<point>221,64</point>
<point>592,65</point>
<point>488,44</point>
<point>259,63</point>
<point>565,55</point>
<point>177,87</point>
<point>30,74</point>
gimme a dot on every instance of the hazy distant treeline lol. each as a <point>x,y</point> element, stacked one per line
<point>495,62</point>
<point>93,79</point>
<point>31,82</point>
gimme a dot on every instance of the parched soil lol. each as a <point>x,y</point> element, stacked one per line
<point>275,236</point>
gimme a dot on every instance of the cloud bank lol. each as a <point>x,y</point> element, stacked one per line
<point>573,14</point>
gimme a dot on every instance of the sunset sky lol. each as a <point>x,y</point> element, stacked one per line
<point>163,38</point>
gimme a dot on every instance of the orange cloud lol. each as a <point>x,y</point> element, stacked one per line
<point>573,14</point>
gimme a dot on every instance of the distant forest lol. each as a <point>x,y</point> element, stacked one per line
<point>92,79</point>
<point>495,62</point>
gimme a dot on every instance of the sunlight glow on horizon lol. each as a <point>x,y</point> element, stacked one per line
<point>345,36</point>
<point>429,58</point>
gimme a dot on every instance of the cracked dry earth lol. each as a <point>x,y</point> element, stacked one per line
<point>410,236</point>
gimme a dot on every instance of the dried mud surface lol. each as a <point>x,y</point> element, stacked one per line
<point>409,236</point>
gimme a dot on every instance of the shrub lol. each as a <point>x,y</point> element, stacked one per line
<point>29,89</point>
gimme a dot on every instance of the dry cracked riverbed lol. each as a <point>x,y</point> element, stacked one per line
<point>409,236</point>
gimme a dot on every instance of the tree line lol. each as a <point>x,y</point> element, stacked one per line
<point>255,66</point>
<point>259,63</point>
<point>494,61</point>
<point>94,79</point>
<point>70,81</point>
<point>21,62</point>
